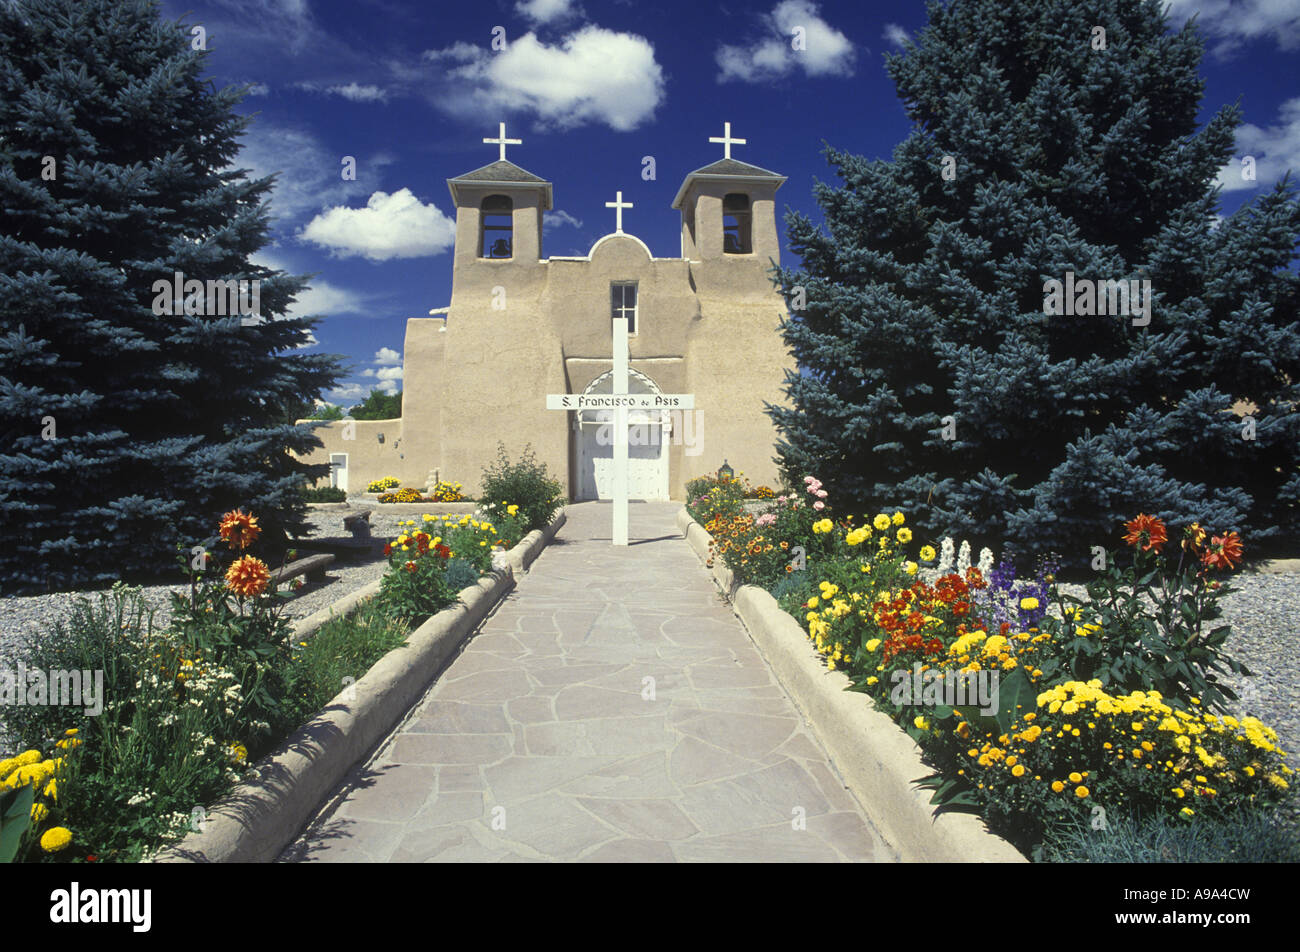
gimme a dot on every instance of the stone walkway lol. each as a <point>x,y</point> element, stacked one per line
<point>611,709</point>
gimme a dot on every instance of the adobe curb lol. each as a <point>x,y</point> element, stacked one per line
<point>262,815</point>
<point>877,759</point>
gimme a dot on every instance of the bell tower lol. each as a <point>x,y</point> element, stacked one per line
<point>499,213</point>
<point>729,209</point>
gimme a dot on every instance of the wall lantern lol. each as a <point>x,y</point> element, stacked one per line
<point>725,472</point>
<point>381,437</point>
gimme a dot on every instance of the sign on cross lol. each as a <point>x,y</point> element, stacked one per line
<point>620,401</point>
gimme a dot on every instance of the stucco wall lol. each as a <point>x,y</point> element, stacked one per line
<point>367,458</point>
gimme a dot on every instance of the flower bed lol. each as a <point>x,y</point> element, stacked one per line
<point>186,710</point>
<point>1035,719</point>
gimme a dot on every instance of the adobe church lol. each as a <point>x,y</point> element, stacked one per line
<point>520,327</point>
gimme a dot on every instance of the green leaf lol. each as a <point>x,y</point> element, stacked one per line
<point>15,818</point>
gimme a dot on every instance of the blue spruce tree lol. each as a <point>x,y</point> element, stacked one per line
<point>934,381</point>
<point>123,429</point>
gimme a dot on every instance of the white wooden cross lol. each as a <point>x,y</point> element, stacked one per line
<point>727,141</point>
<point>618,205</point>
<point>502,141</point>
<point>620,401</point>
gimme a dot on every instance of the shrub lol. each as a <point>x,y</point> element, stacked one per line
<point>525,484</point>
<point>383,485</point>
<point>324,494</point>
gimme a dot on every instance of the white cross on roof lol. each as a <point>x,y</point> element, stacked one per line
<point>618,205</point>
<point>727,141</point>
<point>502,141</point>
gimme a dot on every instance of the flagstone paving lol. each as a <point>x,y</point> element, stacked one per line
<point>611,709</point>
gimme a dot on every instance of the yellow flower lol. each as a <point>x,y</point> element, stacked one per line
<point>39,812</point>
<point>1076,777</point>
<point>873,644</point>
<point>1057,786</point>
<point>1018,770</point>
<point>56,838</point>
<point>881,522</point>
<point>1187,811</point>
<point>904,535</point>
<point>898,519</point>
<point>910,568</point>
<point>1080,792</point>
<point>921,722</point>
<point>825,525</point>
<point>928,554</point>
<point>1029,604</point>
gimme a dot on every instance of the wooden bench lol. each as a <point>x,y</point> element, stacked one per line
<point>358,524</point>
<point>312,565</point>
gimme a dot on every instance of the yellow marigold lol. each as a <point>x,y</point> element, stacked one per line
<point>904,535</point>
<point>873,644</point>
<point>1018,770</point>
<point>39,812</point>
<point>56,838</point>
<point>1076,777</point>
<point>881,522</point>
<point>898,519</point>
<point>928,554</point>
<point>248,576</point>
<point>1080,792</point>
<point>1057,786</point>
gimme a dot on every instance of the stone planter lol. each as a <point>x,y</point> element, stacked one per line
<point>876,757</point>
<point>264,813</point>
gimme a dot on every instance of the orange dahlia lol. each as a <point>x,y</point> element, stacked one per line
<point>1222,551</point>
<point>239,529</point>
<point>1146,531</point>
<point>248,576</point>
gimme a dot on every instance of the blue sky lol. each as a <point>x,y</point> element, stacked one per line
<point>410,89</point>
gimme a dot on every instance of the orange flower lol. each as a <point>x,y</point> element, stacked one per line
<point>1193,537</point>
<point>1222,551</point>
<point>410,566</point>
<point>1146,531</point>
<point>248,576</point>
<point>239,529</point>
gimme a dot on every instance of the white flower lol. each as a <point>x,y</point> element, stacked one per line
<point>945,556</point>
<point>142,797</point>
<point>986,562</point>
<point>963,558</point>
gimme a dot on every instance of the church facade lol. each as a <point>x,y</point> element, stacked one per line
<point>520,327</point>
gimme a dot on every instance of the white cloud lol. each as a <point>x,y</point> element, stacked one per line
<point>1276,150</point>
<point>386,355</point>
<point>547,11</point>
<point>559,219</point>
<point>259,89</point>
<point>825,50</point>
<point>383,373</point>
<point>308,179</point>
<point>895,35</point>
<point>390,226</point>
<point>348,393</point>
<point>1235,22</point>
<point>591,76</point>
<point>359,93</point>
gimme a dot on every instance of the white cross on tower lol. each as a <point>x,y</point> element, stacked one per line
<point>727,141</point>
<point>618,205</point>
<point>502,141</point>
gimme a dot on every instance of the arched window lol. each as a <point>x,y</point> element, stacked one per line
<point>497,226</point>
<point>736,224</point>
